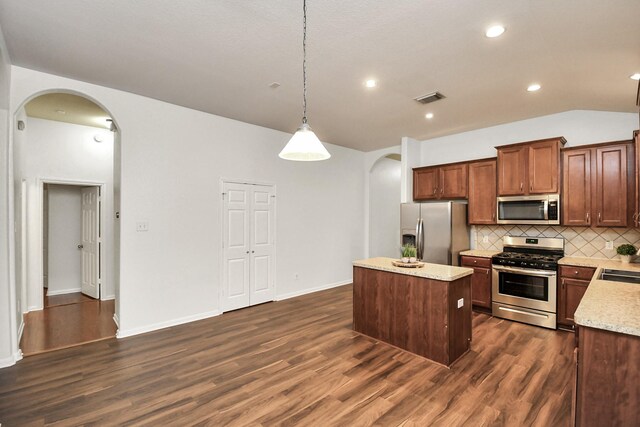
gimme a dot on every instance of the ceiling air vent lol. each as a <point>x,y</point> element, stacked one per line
<point>431,97</point>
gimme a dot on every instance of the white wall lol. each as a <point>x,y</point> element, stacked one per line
<point>9,316</point>
<point>384,208</point>
<point>579,127</point>
<point>57,151</point>
<point>65,204</point>
<point>172,161</point>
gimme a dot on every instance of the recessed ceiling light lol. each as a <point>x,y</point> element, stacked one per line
<point>370,83</point>
<point>494,31</point>
<point>61,112</point>
<point>635,76</point>
<point>429,116</point>
<point>534,87</point>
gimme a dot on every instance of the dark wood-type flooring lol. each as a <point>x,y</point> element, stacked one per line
<point>66,321</point>
<point>293,362</point>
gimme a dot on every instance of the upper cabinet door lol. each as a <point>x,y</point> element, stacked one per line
<point>453,181</point>
<point>512,170</point>
<point>425,183</point>
<point>576,187</point>
<point>482,192</point>
<point>611,186</point>
<point>544,167</point>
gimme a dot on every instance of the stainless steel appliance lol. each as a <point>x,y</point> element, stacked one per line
<point>540,209</point>
<point>524,281</point>
<point>438,230</point>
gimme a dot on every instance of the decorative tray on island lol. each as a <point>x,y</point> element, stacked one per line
<point>399,263</point>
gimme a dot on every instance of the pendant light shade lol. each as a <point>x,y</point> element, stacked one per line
<point>304,146</point>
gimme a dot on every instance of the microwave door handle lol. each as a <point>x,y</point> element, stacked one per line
<point>546,210</point>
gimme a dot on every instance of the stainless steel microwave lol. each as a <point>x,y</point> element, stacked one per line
<point>539,209</point>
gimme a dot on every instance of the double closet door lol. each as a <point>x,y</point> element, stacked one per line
<point>249,245</point>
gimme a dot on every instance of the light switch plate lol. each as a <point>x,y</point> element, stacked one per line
<point>142,226</point>
<point>608,244</point>
<point>460,302</point>
<point>485,239</point>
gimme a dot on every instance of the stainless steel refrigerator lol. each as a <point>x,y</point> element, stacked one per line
<point>438,230</point>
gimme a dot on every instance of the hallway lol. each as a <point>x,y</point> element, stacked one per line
<point>67,320</point>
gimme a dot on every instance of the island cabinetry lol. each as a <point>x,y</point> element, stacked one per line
<point>598,185</point>
<point>482,192</point>
<point>529,167</point>
<point>440,182</point>
<point>573,285</point>
<point>608,379</point>
<point>431,318</point>
<point>480,280</point>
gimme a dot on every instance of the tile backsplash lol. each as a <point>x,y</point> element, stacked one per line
<point>579,241</point>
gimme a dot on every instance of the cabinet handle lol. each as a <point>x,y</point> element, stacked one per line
<point>520,186</point>
<point>576,273</point>
<point>493,216</point>
<point>563,284</point>
<point>531,187</point>
<point>435,190</point>
<point>599,217</point>
<point>487,272</point>
<point>588,221</point>
<point>442,190</point>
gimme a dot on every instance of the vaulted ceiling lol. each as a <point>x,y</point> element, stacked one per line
<point>221,57</point>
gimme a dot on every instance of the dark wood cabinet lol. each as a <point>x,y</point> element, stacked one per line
<point>482,192</point>
<point>608,380</point>
<point>530,167</point>
<point>440,182</point>
<point>573,283</point>
<point>611,186</point>
<point>512,170</point>
<point>576,187</point>
<point>598,185</point>
<point>480,280</point>
<point>425,183</point>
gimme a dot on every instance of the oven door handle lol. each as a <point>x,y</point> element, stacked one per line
<point>530,272</point>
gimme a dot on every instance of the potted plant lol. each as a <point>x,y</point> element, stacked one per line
<point>626,251</point>
<point>408,253</point>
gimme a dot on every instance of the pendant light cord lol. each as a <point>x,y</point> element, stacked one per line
<point>304,62</point>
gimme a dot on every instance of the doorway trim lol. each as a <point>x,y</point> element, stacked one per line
<point>221,262</point>
<point>40,246</point>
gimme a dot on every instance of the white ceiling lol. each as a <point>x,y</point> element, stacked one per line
<point>220,57</point>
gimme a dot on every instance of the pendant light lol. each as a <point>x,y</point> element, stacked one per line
<point>304,146</point>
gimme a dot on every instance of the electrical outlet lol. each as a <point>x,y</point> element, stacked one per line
<point>608,244</point>
<point>485,239</point>
<point>460,302</point>
<point>142,226</point>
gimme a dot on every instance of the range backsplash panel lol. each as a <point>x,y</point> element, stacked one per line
<point>579,241</point>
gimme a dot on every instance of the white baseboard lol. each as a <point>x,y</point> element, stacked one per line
<point>63,291</point>
<point>108,297</point>
<point>312,290</point>
<point>116,319</point>
<point>166,324</point>
<point>11,360</point>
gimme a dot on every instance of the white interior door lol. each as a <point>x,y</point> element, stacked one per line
<point>90,243</point>
<point>249,245</point>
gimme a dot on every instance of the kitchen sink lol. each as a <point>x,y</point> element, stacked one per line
<point>620,275</point>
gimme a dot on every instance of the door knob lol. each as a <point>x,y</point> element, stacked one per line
<point>80,246</point>
<point>247,251</point>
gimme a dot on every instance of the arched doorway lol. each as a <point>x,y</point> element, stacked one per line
<point>64,148</point>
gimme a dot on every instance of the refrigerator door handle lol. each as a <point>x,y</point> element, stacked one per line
<point>420,249</point>
<point>417,238</point>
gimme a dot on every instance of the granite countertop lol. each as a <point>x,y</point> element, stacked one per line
<point>598,262</point>
<point>481,253</point>
<point>608,305</point>
<point>446,273</point>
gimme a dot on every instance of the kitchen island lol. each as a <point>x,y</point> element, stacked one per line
<point>426,311</point>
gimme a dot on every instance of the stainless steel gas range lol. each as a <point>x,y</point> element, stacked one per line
<point>524,280</point>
